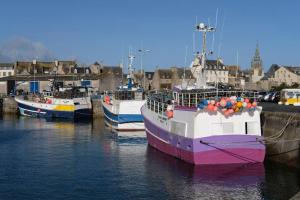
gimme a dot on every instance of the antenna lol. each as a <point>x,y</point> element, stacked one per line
<point>213,36</point>
<point>122,68</point>
<point>185,58</point>
<point>194,38</point>
<point>237,64</point>
<point>221,36</point>
<point>143,73</point>
<point>194,48</point>
<point>183,83</point>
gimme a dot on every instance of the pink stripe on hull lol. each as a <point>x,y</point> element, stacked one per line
<point>217,156</point>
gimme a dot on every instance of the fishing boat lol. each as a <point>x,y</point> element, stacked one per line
<point>72,103</point>
<point>202,124</point>
<point>122,108</point>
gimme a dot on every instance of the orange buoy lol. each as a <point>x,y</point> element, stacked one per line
<point>107,99</point>
<point>170,114</point>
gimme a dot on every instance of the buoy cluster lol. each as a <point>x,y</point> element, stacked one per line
<point>169,112</point>
<point>228,105</point>
<point>107,99</point>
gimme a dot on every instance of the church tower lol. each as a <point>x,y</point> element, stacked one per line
<point>256,66</point>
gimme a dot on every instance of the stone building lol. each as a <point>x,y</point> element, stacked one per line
<point>6,69</point>
<point>141,79</point>
<point>284,74</point>
<point>256,71</point>
<point>215,71</point>
<point>149,80</point>
<point>35,76</point>
<point>288,75</point>
<point>168,78</point>
<point>40,67</point>
<point>278,74</point>
<point>234,74</point>
<point>110,77</point>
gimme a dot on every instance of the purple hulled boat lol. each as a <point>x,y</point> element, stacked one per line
<point>205,125</point>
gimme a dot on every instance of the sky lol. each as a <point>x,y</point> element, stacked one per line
<point>105,30</point>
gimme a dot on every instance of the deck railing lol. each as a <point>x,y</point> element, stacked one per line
<point>159,102</point>
<point>192,99</point>
<point>156,106</point>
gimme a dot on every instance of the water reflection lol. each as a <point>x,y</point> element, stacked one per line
<point>215,182</point>
<point>86,160</point>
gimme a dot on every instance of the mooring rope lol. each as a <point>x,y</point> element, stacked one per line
<point>231,154</point>
<point>274,138</point>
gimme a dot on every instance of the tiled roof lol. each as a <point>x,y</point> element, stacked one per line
<point>165,73</point>
<point>271,71</point>
<point>295,70</point>
<point>7,65</point>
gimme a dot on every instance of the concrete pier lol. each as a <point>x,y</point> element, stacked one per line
<point>9,105</point>
<point>296,196</point>
<point>97,108</point>
<point>282,134</point>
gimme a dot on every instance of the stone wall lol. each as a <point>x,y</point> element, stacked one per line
<point>286,147</point>
<point>3,88</point>
<point>97,108</point>
<point>9,105</point>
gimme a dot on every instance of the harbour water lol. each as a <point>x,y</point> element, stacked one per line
<point>42,159</point>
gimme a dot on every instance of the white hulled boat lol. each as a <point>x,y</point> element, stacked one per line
<point>122,109</point>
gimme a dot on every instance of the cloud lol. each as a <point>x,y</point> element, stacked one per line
<point>20,48</point>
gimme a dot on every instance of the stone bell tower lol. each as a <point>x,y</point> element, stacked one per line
<point>256,66</point>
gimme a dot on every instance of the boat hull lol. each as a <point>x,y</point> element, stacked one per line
<point>123,122</point>
<point>32,111</point>
<point>225,149</point>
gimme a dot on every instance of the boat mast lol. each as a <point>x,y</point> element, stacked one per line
<point>130,75</point>
<point>201,80</point>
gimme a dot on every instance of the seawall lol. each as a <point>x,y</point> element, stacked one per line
<point>97,108</point>
<point>8,105</point>
<point>282,134</point>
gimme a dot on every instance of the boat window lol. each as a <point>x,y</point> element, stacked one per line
<point>124,95</point>
<point>228,128</point>
<point>178,128</point>
<point>250,128</point>
<point>216,128</point>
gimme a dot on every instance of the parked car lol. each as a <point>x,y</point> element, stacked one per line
<point>267,96</point>
<point>261,95</point>
<point>275,98</point>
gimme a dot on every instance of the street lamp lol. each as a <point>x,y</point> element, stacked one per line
<point>142,51</point>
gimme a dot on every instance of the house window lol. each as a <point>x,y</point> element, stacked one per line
<point>9,73</point>
<point>4,73</point>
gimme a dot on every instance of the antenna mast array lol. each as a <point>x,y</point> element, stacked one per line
<point>201,82</point>
<point>130,75</point>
